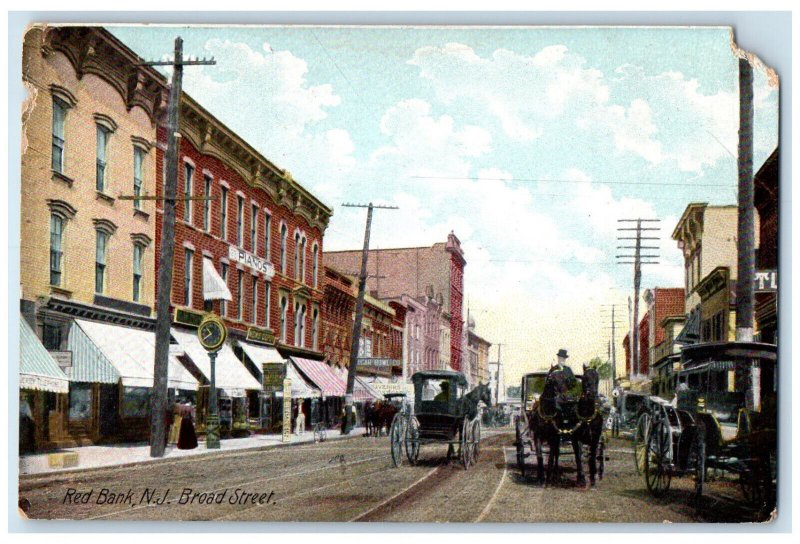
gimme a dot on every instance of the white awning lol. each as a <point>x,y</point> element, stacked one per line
<point>132,353</point>
<point>214,287</point>
<point>261,354</point>
<point>231,374</point>
<point>301,389</point>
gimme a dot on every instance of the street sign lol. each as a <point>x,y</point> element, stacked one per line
<point>378,362</point>
<point>287,410</point>
<point>273,376</point>
<point>766,281</point>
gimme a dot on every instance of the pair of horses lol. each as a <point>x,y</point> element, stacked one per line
<point>556,415</point>
<point>378,416</point>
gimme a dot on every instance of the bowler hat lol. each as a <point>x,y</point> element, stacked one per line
<point>562,353</point>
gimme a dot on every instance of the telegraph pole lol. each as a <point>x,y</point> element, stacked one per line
<point>746,230</point>
<point>362,285</point>
<point>612,350</point>
<point>158,406</point>
<point>638,259</point>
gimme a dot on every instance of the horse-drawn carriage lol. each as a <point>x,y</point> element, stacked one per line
<point>710,428</point>
<point>443,413</point>
<point>558,410</point>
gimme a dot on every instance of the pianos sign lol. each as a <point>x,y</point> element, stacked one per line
<point>766,281</point>
<point>248,259</point>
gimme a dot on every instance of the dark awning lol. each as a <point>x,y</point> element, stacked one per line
<point>690,334</point>
<point>729,351</point>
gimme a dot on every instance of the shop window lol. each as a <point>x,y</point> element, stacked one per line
<point>135,402</point>
<point>80,401</point>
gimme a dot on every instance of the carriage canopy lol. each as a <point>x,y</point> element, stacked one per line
<point>438,391</point>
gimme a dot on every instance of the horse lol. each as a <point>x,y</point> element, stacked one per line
<point>590,425</point>
<point>544,417</point>
<point>369,417</point>
<point>385,416</point>
<point>468,407</point>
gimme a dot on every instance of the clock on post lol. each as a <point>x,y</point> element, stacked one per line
<point>212,333</point>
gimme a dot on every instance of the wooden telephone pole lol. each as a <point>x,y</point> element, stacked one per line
<point>638,259</point>
<point>158,405</point>
<point>362,286</point>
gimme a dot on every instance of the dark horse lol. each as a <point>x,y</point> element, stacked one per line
<point>469,407</point>
<point>547,413</point>
<point>590,425</point>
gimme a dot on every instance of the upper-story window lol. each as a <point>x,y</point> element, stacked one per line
<point>223,228</point>
<point>138,253</point>
<point>60,108</point>
<point>297,255</point>
<point>239,312</point>
<point>188,264</point>
<point>284,310</point>
<point>267,234</point>
<point>239,220</point>
<point>103,136</point>
<point>223,304</point>
<point>101,255</point>
<point>254,300</point>
<point>138,163</point>
<point>56,245</point>
<point>315,265</point>
<point>207,203</point>
<point>284,234</point>
<point>299,324</point>
<point>188,174</point>
<point>315,328</point>
<point>267,294</point>
<point>303,259</point>
<point>253,228</point>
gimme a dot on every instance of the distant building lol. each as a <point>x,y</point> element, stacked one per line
<point>414,272</point>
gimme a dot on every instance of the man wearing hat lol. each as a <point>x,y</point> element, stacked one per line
<point>562,359</point>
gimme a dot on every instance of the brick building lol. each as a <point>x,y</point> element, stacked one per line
<point>86,256</point>
<point>414,272</point>
<point>766,202</point>
<point>260,233</point>
<point>644,352</point>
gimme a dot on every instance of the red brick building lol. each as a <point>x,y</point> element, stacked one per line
<point>416,272</point>
<point>644,356</point>
<point>766,202</point>
<point>261,231</point>
<point>381,332</point>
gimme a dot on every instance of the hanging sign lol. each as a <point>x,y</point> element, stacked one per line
<point>766,281</point>
<point>251,261</point>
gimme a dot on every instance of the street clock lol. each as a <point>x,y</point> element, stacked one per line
<point>212,333</point>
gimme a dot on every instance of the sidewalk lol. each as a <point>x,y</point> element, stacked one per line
<point>115,455</point>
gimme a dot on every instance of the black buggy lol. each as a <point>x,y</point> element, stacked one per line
<point>711,431</point>
<point>438,418</point>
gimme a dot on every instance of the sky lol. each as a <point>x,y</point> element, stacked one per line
<point>529,143</point>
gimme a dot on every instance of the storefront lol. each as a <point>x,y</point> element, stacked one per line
<point>43,387</point>
<point>111,377</point>
<point>233,382</point>
<point>330,385</point>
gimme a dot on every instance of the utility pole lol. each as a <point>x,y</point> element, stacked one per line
<point>497,376</point>
<point>158,406</point>
<point>362,285</point>
<point>746,230</point>
<point>612,349</point>
<point>639,259</point>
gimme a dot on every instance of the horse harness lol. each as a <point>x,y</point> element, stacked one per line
<point>551,419</point>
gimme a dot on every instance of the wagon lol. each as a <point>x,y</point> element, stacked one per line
<point>711,428</point>
<point>531,389</point>
<point>437,418</point>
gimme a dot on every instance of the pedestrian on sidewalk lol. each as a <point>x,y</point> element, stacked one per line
<point>300,423</point>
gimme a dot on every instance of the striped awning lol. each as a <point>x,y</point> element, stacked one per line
<point>37,369</point>
<point>322,375</point>
<point>131,352</point>
<point>301,388</point>
<point>362,391</point>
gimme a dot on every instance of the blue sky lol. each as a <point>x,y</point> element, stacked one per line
<point>529,143</point>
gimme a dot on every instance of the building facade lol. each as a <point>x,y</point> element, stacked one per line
<point>89,128</point>
<point>766,202</point>
<point>415,272</point>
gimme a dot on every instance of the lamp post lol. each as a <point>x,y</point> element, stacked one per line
<point>212,333</point>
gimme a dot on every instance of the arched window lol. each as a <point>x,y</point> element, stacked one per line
<point>284,234</point>
<point>315,265</point>
<point>297,255</point>
<point>284,309</point>
<point>303,259</point>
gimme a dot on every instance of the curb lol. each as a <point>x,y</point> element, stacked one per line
<point>56,476</point>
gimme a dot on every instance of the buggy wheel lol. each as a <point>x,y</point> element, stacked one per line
<point>412,440</point>
<point>757,482</point>
<point>466,450</point>
<point>697,463</point>
<point>640,441</point>
<point>601,457</point>
<point>396,440</point>
<point>520,446</point>
<point>476,440</point>
<point>657,462</point>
